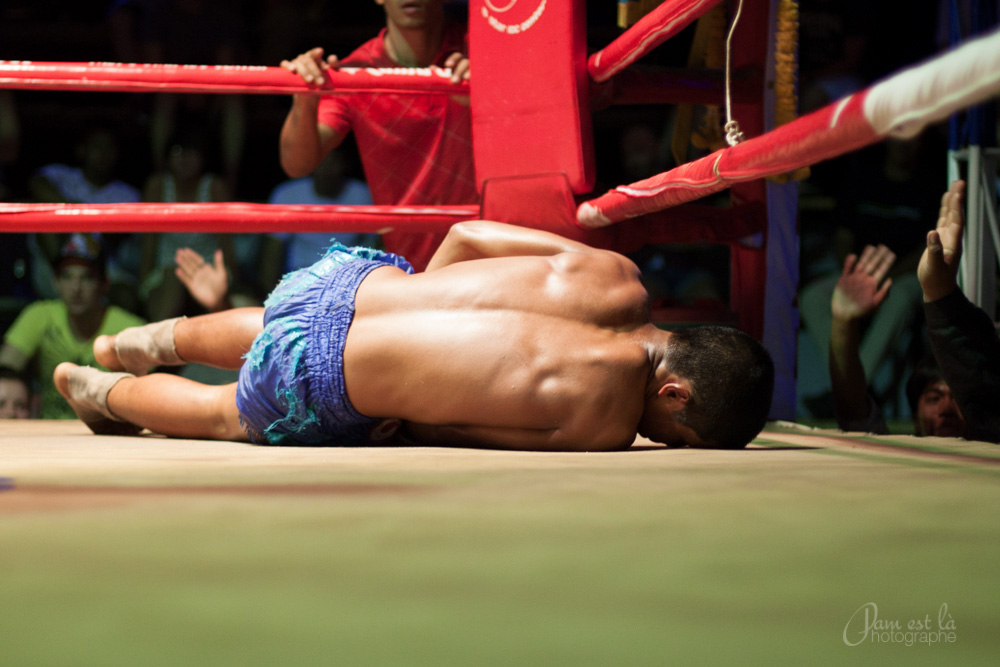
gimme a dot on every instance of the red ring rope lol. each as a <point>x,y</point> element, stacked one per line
<point>901,105</point>
<point>650,31</point>
<point>139,78</point>
<point>228,217</point>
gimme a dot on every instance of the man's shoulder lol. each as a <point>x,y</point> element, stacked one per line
<point>39,311</point>
<point>28,329</point>
<point>58,172</point>
<point>595,261</point>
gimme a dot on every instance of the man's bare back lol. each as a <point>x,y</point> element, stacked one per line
<point>505,349</point>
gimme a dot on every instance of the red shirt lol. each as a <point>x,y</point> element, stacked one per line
<point>416,149</point>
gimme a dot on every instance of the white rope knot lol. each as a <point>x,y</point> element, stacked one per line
<point>733,133</point>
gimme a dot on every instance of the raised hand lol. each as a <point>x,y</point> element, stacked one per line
<point>207,283</point>
<point>938,268</point>
<point>860,289</point>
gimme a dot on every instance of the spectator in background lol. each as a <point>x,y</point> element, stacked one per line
<point>957,395</point>
<point>861,290</point>
<point>51,331</point>
<point>329,184</point>
<point>15,395</point>
<point>962,336</point>
<point>184,180</point>
<point>887,201</point>
<point>10,140</point>
<point>93,181</point>
<point>415,149</point>
<point>197,32</point>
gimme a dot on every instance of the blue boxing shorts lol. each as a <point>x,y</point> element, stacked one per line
<point>291,388</point>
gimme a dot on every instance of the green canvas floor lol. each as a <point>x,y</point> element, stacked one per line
<point>148,551</point>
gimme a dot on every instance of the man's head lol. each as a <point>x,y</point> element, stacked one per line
<point>186,155</point>
<point>413,14</point>
<point>15,398</point>
<point>934,410</point>
<point>718,392</point>
<point>97,153</point>
<point>80,274</point>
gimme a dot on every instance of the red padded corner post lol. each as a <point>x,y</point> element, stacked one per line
<point>539,201</point>
<point>529,90</point>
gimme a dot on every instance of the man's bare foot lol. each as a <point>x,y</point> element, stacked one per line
<point>86,390</point>
<point>104,353</point>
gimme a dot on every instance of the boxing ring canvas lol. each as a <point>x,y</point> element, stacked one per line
<point>118,551</point>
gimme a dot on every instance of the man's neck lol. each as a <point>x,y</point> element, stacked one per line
<point>413,48</point>
<point>86,326</point>
<point>655,341</point>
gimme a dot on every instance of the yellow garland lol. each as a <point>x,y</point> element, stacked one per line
<point>785,69</point>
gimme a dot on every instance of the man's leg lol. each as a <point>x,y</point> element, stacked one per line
<point>218,339</point>
<point>120,404</point>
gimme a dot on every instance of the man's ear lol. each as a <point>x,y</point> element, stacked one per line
<point>676,391</point>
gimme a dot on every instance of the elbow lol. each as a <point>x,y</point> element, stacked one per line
<point>292,167</point>
<point>461,239</point>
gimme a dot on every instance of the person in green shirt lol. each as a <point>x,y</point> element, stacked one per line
<point>48,332</point>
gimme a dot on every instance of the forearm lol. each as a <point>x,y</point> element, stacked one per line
<point>481,239</point>
<point>301,144</point>
<point>509,438</point>
<point>847,375</point>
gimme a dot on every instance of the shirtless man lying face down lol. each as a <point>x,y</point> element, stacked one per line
<point>513,338</point>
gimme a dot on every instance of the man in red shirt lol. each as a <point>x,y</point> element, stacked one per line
<point>416,149</point>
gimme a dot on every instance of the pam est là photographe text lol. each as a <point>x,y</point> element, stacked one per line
<point>866,626</point>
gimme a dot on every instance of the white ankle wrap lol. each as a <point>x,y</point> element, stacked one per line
<point>141,348</point>
<point>90,387</point>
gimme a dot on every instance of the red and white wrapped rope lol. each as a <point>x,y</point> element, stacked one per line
<point>147,78</point>
<point>228,217</point>
<point>650,31</point>
<point>899,106</point>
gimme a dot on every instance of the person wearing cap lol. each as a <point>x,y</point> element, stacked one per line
<point>48,332</point>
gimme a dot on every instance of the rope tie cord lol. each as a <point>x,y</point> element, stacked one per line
<point>733,133</point>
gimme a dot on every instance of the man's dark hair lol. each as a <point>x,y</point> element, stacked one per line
<point>732,379</point>
<point>925,374</point>
<point>8,373</point>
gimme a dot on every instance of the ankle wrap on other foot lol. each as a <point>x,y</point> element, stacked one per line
<point>141,348</point>
<point>90,387</point>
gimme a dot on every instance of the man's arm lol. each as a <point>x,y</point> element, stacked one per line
<point>520,439</point>
<point>480,239</point>
<point>962,336</point>
<point>856,295</point>
<point>304,140</point>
